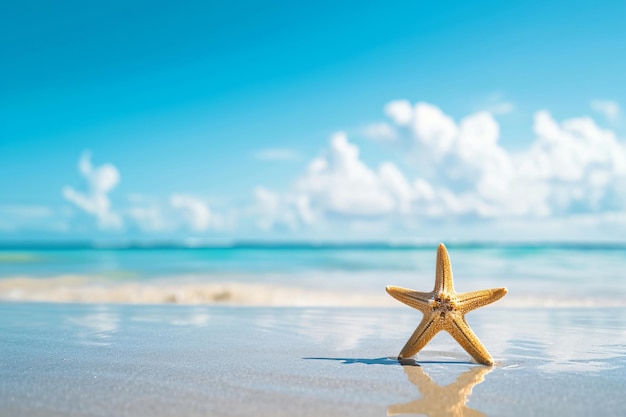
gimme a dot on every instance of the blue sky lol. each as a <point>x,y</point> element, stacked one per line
<point>210,114</point>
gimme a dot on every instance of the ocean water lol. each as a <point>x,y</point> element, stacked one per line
<point>547,275</point>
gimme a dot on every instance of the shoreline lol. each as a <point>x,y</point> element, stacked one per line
<point>80,289</point>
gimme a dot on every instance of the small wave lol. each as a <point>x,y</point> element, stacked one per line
<point>82,289</point>
<point>88,290</point>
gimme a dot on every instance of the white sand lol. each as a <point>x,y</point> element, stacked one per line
<point>117,360</point>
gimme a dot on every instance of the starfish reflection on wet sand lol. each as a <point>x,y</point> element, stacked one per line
<point>445,309</point>
<point>441,401</point>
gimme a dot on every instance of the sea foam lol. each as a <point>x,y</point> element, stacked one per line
<point>81,289</point>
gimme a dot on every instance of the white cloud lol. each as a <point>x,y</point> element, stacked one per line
<point>609,108</point>
<point>152,214</point>
<point>95,201</point>
<point>149,217</point>
<point>146,212</point>
<point>394,183</point>
<point>340,185</point>
<point>337,184</point>
<point>570,166</point>
<point>460,169</point>
<point>400,111</point>
<point>277,154</point>
<point>273,209</point>
<point>584,165</point>
<point>195,212</point>
<point>433,128</point>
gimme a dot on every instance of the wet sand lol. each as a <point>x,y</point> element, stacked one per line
<point>165,360</point>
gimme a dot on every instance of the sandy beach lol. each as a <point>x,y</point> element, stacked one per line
<point>163,360</point>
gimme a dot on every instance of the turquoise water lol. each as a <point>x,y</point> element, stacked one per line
<point>569,271</point>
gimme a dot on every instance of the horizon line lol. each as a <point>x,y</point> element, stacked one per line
<point>305,244</point>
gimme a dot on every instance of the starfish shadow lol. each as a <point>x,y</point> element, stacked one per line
<point>368,361</point>
<point>391,360</point>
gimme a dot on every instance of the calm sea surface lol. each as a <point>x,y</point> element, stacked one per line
<point>590,272</point>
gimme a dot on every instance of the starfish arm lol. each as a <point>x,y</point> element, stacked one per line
<point>443,274</point>
<point>461,332</point>
<point>420,337</point>
<point>469,301</point>
<point>415,299</point>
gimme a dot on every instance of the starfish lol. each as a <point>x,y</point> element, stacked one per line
<point>441,401</point>
<point>445,309</point>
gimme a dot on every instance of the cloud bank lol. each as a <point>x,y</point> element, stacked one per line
<point>147,213</point>
<point>178,212</point>
<point>572,167</point>
<point>572,172</point>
